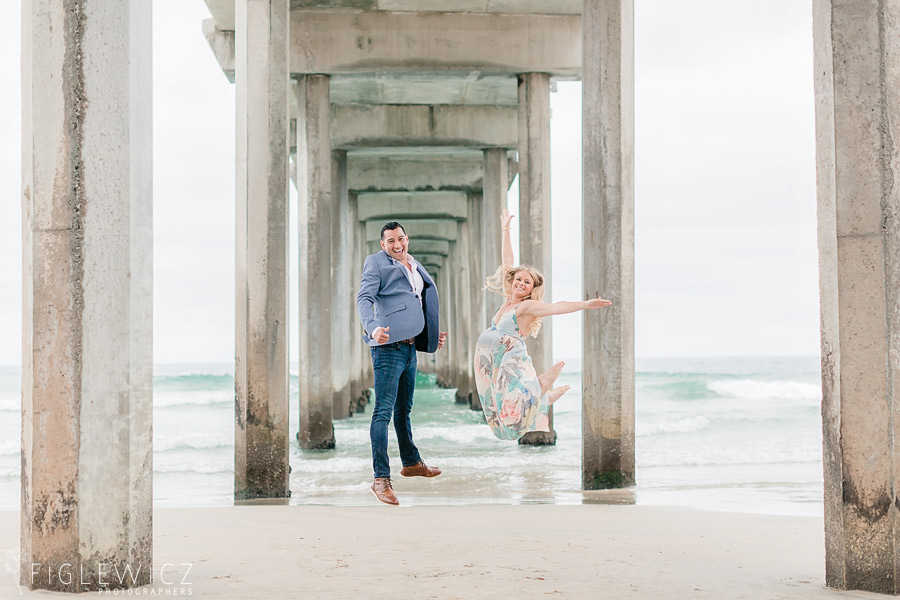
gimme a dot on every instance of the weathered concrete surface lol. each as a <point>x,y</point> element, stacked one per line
<point>456,318</point>
<point>355,271</point>
<point>476,320</point>
<point>857,66</point>
<point>414,172</point>
<point>346,42</point>
<point>462,296</point>
<point>341,281</point>
<point>445,293</point>
<point>331,42</point>
<point>608,233</point>
<point>222,46</point>
<point>223,10</point>
<point>423,229</point>
<point>398,206</point>
<point>534,211</point>
<point>261,258</point>
<point>434,247</point>
<point>365,375</point>
<point>425,87</point>
<point>494,201</point>
<point>87,455</point>
<point>316,214</point>
<point>384,125</point>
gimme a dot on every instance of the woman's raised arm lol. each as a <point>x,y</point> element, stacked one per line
<point>537,309</point>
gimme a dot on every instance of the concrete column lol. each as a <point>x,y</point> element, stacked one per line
<point>442,357</point>
<point>87,412</point>
<point>356,343</point>
<point>857,85</point>
<point>476,298</point>
<point>368,373</point>
<point>534,211</point>
<point>455,356</point>
<point>496,184</point>
<point>341,286</point>
<point>261,258</point>
<point>427,361</point>
<point>462,295</point>
<point>315,182</point>
<point>608,226</point>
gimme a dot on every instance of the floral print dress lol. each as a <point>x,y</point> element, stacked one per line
<point>507,382</point>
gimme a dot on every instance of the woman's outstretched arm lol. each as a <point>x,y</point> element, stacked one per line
<point>505,220</point>
<point>539,309</point>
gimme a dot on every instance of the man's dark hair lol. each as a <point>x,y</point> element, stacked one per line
<point>390,227</point>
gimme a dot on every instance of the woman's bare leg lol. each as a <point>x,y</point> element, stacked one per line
<point>554,394</point>
<point>550,376</point>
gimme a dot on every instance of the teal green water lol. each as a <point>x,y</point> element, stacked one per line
<point>728,434</point>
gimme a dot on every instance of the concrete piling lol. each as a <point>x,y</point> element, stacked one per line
<point>534,212</point>
<point>608,233</point>
<point>314,166</point>
<point>857,89</point>
<point>262,171</point>
<point>87,414</point>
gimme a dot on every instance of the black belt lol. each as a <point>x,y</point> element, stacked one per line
<point>408,342</point>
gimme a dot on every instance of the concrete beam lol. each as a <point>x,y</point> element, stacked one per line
<point>422,169</point>
<point>223,10</point>
<point>334,42</point>
<point>387,206</point>
<point>262,468</point>
<point>429,259</point>
<point>87,326</point>
<point>222,46</point>
<point>425,87</point>
<point>440,247</point>
<point>857,92</point>
<point>608,233</point>
<point>423,229</point>
<point>347,42</point>
<point>374,173</point>
<point>384,125</point>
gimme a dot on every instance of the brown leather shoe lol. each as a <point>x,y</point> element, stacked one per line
<point>420,469</point>
<point>382,489</point>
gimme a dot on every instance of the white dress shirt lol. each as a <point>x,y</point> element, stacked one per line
<point>413,275</point>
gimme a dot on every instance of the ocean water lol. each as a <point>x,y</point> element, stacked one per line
<point>740,434</point>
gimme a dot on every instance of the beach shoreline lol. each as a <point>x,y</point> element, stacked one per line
<point>562,551</point>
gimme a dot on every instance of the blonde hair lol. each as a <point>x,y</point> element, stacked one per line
<point>501,283</point>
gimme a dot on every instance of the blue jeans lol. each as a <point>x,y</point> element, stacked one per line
<point>395,381</point>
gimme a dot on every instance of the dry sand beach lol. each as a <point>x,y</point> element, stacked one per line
<point>496,551</point>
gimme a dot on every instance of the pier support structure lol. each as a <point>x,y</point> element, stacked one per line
<point>87,415</point>
<point>534,213</point>
<point>261,259</point>
<point>314,177</point>
<point>496,185</point>
<point>475,324</point>
<point>857,85</point>
<point>342,284</point>
<point>608,234</point>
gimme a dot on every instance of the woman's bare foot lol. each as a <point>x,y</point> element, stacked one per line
<point>550,376</point>
<point>554,394</point>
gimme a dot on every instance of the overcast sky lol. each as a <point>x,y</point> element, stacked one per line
<point>724,197</point>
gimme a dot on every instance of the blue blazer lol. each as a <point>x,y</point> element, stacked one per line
<point>386,299</point>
